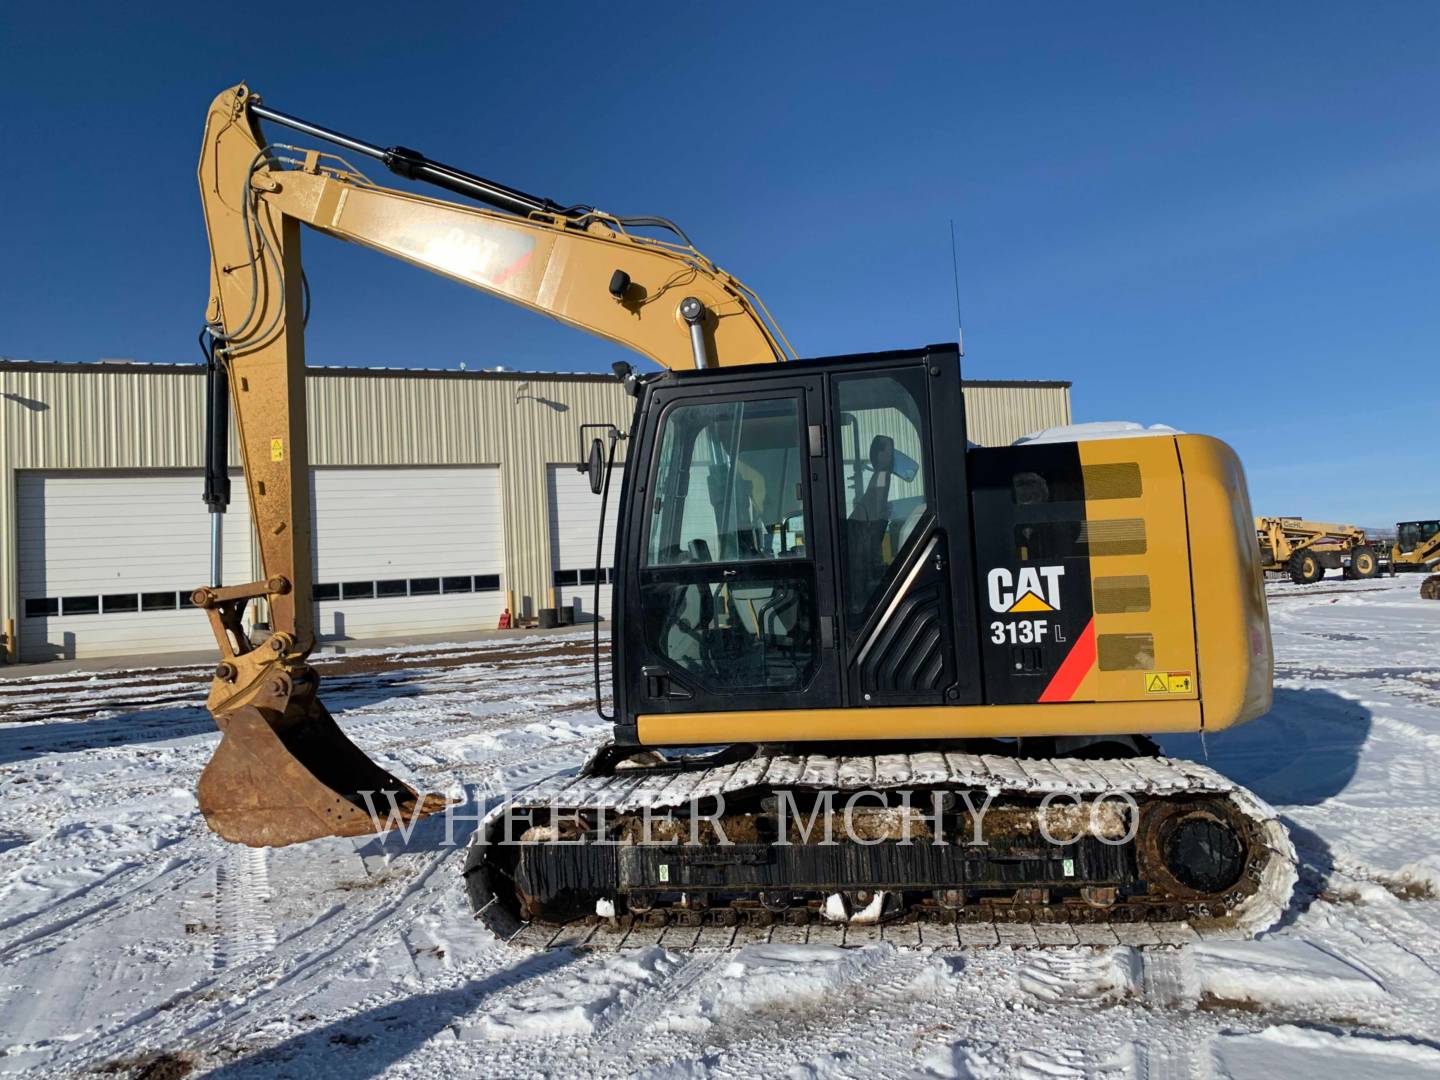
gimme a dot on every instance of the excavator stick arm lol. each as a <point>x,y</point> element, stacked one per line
<point>284,771</point>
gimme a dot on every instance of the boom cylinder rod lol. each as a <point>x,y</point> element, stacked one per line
<point>217,548</point>
<point>414,165</point>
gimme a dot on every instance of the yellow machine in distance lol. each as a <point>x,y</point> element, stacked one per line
<point>1306,549</point>
<point>1417,547</point>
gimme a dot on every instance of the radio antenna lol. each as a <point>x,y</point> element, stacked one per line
<point>955,269</point>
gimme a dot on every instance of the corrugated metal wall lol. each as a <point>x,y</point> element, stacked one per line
<point>998,413</point>
<point>120,416</point>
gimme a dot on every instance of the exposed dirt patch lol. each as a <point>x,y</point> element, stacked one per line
<point>1402,888</point>
<point>186,687</point>
<point>164,1066</point>
<point>1409,889</point>
<point>448,658</point>
<point>1209,1002</point>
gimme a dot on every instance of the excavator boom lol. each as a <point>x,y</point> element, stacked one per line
<point>284,772</point>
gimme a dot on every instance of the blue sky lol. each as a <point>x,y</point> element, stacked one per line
<point>1223,217</point>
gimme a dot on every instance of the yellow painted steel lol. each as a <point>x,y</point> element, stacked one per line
<point>540,263</point>
<point>918,722</point>
<point>1236,663</point>
<point>257,307</point>
<point>1164,561</point>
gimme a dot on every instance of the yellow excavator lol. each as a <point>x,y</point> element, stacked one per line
<point>861,673</point>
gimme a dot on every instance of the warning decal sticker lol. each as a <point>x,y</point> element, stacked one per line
<point>1169,682</point>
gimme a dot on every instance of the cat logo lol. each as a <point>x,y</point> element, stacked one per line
<point>1035,589</point>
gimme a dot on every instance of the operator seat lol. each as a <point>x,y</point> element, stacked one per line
<point>870,520</point>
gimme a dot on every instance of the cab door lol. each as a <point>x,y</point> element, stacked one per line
<point>903,533</point>
<point>730,596</point>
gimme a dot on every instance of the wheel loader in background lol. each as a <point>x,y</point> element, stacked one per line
<point>1417,547</point>
<point>819,592</point>
<point>1306,549</point>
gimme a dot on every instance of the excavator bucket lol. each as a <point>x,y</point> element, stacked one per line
<point>281,776</point>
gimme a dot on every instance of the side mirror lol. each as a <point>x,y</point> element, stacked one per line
<point>594,466</point>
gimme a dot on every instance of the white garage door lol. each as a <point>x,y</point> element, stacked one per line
<point>407,551</point>
<point>108,561</point>
<point>574,519</point>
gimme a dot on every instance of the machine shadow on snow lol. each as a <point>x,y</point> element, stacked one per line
<point>377,1038</point>
<point>1305,750</point>
<point>64,734</point>
<point>430,833</point>
<point>1317,863</point>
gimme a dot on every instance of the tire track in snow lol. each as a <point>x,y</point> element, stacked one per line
<point>242,891</point>
<point>622,1030</point>
<point>121,892</point>
<point>133,885</point>
<point>277,981</point>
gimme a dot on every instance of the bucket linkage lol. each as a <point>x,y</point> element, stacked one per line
<point>284,772</point>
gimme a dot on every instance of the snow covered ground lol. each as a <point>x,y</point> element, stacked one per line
<point>134,942</point>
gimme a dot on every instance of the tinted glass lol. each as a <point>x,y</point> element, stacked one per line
<point>728,485</point>
<point>735,633</point>
<point>883,438</point>
<point>1411,534</point>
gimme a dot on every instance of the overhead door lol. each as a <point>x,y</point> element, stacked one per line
<point>574,520</point>
<point>407,551</point>
<point>108,561</point>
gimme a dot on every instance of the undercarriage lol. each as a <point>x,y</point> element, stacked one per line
<point>832,844</point>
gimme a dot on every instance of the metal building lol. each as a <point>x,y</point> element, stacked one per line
<point>439,497</point>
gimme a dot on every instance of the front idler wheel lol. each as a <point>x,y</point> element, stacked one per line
<point>1193,852</point>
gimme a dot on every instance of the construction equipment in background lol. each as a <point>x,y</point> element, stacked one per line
<point>809,576</point>
<point>1306,549</point>
<point>1417,547</point>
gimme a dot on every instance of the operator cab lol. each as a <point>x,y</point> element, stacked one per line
<point>1410,535</point>
<point>792,538</point>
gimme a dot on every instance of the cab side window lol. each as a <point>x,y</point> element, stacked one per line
<point>883,432</point>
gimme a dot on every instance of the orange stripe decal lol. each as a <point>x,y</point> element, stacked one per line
<point>1077,664</point>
